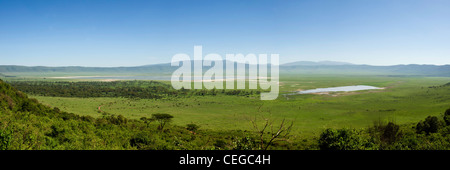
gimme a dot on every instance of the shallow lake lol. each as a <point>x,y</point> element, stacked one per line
<point>338,89</point>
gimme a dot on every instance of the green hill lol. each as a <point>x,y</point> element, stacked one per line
<point>27,124</point>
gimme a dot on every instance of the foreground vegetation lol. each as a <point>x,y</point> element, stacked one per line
<point>433,133</point>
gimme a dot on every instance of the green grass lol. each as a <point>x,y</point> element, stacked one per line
<point>405,100</point>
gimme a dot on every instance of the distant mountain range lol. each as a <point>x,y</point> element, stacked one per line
<point>301,67</point>
<point>312,63</point>
<point>412,70</point>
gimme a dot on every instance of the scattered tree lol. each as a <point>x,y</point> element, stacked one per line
<point>162,119</point>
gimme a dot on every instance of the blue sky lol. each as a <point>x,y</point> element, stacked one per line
<point>132,33</point>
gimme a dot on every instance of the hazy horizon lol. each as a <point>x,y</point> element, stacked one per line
<point>169,63</point>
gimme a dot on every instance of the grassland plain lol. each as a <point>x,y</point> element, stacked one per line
<point>405,100</point>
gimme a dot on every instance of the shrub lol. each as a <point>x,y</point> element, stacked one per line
<point>342,139</point>
<point>391,133</point>
<point>5,139</point>
<point>113,119</point>
<point>147,121</point>
<point>140,140</point>
<point>447,117</point>
<point>245,143</point>
<point>431,125</point>
<point>192,127</point>
<point>220,143</point>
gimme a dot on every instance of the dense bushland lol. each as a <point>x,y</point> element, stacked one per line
<point>129,89</point>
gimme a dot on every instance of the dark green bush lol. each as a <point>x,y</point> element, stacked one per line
<point>447,117</point>
<point>342,139</point>
<point>391,133</point>
<point>5,139</point>
<point>220,144</point>
<point>140,140</point>
<point>431,125</point>
<point>192,127</point>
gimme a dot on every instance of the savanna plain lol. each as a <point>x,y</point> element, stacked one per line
<point>408,112</point>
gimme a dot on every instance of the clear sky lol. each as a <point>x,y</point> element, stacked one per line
<point>132,33</point>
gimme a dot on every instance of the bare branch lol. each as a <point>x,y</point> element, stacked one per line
<point>276,134</point>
